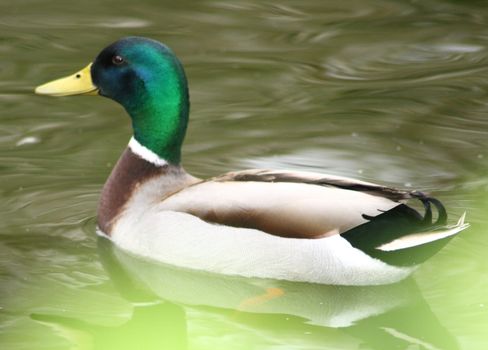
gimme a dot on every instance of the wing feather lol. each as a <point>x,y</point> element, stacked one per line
<point>263,175</point>
<point>288,204</point>
<point>371,217</point>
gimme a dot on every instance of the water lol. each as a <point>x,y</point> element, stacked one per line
<point>389,91</point>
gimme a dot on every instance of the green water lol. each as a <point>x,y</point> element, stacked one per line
<point>390,91</point>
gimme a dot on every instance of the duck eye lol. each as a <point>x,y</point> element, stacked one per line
<point>117,60</point>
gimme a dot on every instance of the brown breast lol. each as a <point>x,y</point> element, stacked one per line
<point>129,172</point>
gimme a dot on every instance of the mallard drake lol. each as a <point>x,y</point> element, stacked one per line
<point>287,225</point>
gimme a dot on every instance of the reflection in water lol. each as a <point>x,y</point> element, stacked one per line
<point>390,91</point>
<point>159,326</point>
<point>168,301</point>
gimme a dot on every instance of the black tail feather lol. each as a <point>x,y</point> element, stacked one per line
<point>427,220</point>
<point>442,214</point>
<point>395,223</point>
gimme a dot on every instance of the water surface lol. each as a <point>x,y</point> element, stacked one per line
<point>386,91</point>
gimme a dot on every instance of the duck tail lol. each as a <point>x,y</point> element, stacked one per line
<point>402,236</point>
<point>415,248</point>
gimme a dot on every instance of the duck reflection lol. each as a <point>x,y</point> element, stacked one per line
<point>173,307</point>
<point>151,327</point>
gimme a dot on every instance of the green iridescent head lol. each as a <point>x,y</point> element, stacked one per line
<point>146,78</point>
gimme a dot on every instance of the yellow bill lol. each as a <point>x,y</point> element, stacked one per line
<point>79,83</point>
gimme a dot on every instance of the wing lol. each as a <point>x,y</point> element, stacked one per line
<point>285,203</point>
<point>262,175</point>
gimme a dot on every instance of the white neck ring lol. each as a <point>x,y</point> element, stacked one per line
<point>145,153</point>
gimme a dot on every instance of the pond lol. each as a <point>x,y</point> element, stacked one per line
<point>393,92</point>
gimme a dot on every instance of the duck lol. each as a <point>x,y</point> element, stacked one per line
<point>258,223</point>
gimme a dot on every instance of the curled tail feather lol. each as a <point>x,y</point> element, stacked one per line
<point>402,236</point>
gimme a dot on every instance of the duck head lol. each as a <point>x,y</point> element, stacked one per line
<point>148,80</point>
